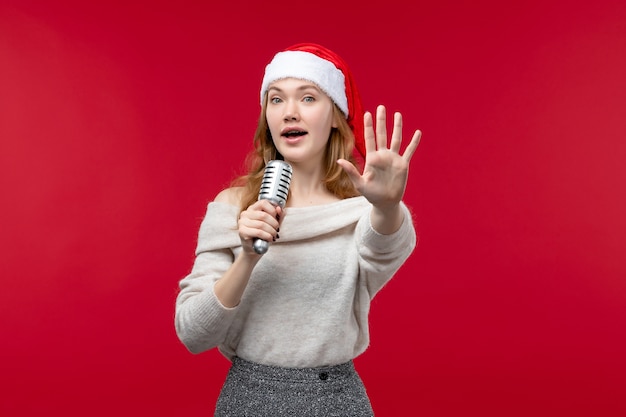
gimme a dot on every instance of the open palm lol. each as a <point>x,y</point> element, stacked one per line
<point>385,172</point>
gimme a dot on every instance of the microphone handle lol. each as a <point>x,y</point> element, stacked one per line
<point>260,246</point>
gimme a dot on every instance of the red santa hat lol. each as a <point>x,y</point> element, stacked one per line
<point>326,69</point>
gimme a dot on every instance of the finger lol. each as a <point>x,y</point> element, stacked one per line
<point>279,214</point>
<point>381,127</point>
<point>368,132</point>
<point>351,170</point>
<point>396,135</point>
<point>261,215</point>
<point>257,228</point>
<point>265,206</point>
<point>254,218</point>
<point>410,150</point>
<point>248,233</point>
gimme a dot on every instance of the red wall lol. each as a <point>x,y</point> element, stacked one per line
<point>120,121</point>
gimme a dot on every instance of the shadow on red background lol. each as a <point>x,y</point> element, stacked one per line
<point>119,122</point>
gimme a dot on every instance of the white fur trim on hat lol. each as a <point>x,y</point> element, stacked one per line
<point>309,67</point>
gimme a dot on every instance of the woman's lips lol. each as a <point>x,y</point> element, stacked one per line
<point>293,134</point>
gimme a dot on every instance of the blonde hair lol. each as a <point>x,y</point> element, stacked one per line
<point>340,145</point>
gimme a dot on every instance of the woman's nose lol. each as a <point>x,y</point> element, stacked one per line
<point>291,110</point>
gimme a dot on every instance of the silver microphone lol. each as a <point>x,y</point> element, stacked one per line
<point>274,187</point>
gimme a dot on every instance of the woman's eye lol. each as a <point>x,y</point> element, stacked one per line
<point>274,100</point>
<point>309,99</point>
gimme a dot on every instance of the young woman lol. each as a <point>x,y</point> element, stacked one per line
<point>292,320</point>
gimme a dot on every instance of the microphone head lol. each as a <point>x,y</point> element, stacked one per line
<point>276,181</point>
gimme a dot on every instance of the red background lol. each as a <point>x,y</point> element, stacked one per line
<point>119,121</point>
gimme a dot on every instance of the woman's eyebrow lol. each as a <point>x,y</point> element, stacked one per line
<point>301,88</point>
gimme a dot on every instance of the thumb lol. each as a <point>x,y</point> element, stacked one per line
<point>351,170</point>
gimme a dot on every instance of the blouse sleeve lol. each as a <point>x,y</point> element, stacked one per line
<point>380,256</point>
<point>201,321</point>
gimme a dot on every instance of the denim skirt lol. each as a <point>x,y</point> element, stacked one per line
<point>254,390</point>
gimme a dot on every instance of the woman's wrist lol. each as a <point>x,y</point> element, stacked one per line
<point>386,220</point>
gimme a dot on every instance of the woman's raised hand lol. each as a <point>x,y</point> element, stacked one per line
<point>385,173</point>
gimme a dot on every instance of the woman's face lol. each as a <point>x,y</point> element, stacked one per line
<point>300,118</point>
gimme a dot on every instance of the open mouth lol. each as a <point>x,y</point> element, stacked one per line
<point>294,133</point>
